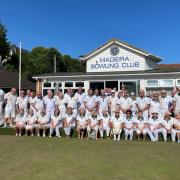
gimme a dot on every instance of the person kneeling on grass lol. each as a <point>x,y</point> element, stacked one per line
<point>43,123</point>
<point>69,122</point>
<point>20,122</point>
<point>56,123</point>
<point>31,122</point>
<point>128,125</point>
<point>105,124</point>
<point>81,123</point>
<point>154,126</point>
<point>177,126</point>
<point>117,125</point>
<point>93,124</point>
<point>140,124</point>
<point>168,122</point>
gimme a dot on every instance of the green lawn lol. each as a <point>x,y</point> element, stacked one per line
<point>51,158</point>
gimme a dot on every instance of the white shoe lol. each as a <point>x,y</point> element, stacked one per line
<point>5,125</point>
<point>118,139</point>
<point>153,140</point>
<point>38,135</point>
<point>32,134</point>
<point>19,134</point>
<point>178,141</point>
<point>59,136</point>
<point>114,139</point>
<point>50,136</point>
<point>126,138</point>
<point>16,134</point>
<point>44,135</point>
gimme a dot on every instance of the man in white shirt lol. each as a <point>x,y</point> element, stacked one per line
<point>133,107</point>
<point>22,102</point>
<point>176,102</point>
<point>177,126</point>
<point>155,126</point>
<point>117,125</point>
<point>2,94</point>
<point>80,95</point>
<point>142,103</point>
<point>154,104</point>
<point>71,101</point>
<point>49,102</point>
<point>103,102</point>
<point>165,102</point>
<point>113,103</point>
<point>124,103</point>
<point>38,103</point>
<point>10,107</point>
<point>90,102</point>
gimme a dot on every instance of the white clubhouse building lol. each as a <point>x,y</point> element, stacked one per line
<point>114,64</point>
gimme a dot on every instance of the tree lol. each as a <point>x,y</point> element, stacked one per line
<point>4,44</point>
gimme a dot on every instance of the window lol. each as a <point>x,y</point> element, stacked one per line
<point>178,82</point>
<point>58,83</point>
<point>166,83</point>
<point>79,84</point>
<point>68,84</point>
<point>47,84</point>
<point>152,83</point>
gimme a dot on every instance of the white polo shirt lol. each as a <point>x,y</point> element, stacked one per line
<point>80,97</point>
<point>142,102</point>
<point>125,103</point>
<point>50,104</point>
<point>90,100</point>
<point>56,119</point>
<point>154,106</point>
<point>140,121</point>
<point>21,119</point>
<point>129,122</point>
<point>154,122</point>
<point>168,123</point>
<point>106,120</point>
<point>177,100</point>
<point>22,102</point>
<point>113,102</point>
<point>117,121</point>
<point>71,101</point>
<point>94,119</point>
<point>43,119</point>
<point>103,102</point>
<point>31,119</point>
<point>82,119</point>
<point>10,100</point>
<point>38,103</point>
<point>165,102</point>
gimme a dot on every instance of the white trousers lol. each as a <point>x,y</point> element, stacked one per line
<point>155,133</point>
<point>68,129</point>
<point>128,133</point>
<point>106,129</point>
<point>173,134</point>
<point>56,129</point>
<point>1,112</point>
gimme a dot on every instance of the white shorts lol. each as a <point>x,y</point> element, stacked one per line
<point>32,126</point>
<point>10,112</point>
<point>47,126</point>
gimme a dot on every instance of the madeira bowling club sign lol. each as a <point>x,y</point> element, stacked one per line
<point>115,58</point>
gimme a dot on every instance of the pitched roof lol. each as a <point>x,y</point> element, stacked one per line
<point>161,68</point>
<point>138,50</point>
<point>10,79</point>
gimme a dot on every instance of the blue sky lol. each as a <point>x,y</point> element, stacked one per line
<point>76,27</point>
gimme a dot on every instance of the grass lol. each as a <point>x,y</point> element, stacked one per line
<point>52,158</point>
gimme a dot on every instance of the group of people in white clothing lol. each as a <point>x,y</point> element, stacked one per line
<point>96,114</point>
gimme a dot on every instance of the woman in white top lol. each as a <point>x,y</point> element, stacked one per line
<point>20,122</point>
<point>69,122</point>
<point>31,122</point>
<point>81,123</point>
<point>140,124</point>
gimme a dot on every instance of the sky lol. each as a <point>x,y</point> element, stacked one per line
<point>76,27</point>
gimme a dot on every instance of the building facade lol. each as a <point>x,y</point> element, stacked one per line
<point>112,65</point>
